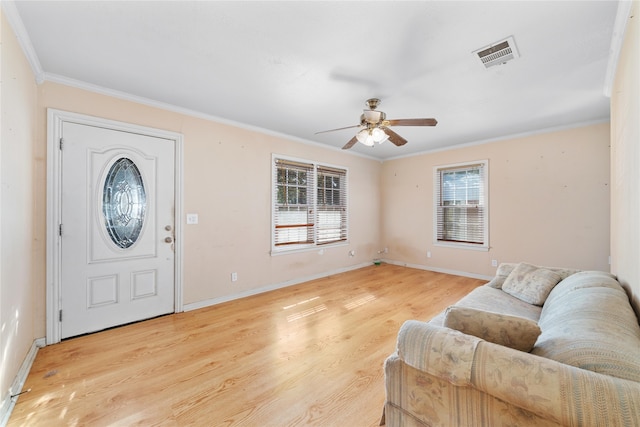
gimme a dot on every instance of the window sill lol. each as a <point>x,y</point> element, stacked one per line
<point>307,248</point>
<point>466,246</point>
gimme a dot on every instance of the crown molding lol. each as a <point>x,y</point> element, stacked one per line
<point>56,78</point>
<point>14,19</point>
<point>506,137</point>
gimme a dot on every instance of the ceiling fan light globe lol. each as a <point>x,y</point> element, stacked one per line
<point>362,135</point>
<point>379,135</point>
<point>365,137</point>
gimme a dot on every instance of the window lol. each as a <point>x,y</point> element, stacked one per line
<point>461,208</point>
<point>309,204</point>
<point>331,205</point>
<point>124,202</point>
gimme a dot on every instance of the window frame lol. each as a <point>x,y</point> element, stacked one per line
<point>484,202</point>
<point>316,169</point>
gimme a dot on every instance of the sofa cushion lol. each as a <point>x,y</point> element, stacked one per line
<point>505,268</point>
<point>530,283</point>
<point>494,300</point>
<point>587,322</point>
<point>580,280</point>
<point>503,271</point>
<point>511,331</point>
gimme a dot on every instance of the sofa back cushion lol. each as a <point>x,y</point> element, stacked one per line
<point>587,321</point>
<point>505,268</point>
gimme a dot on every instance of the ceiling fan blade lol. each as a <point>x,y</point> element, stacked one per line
<point>350,144</point>
<point>412,122</point>
<point>394,137</point>
<point>331,130</point>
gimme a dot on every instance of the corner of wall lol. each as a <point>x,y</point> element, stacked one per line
<point>625,162</point>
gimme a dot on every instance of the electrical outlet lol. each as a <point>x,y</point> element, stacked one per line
<point>192,218</point>
<point>386,250</point>
<point>428,254</point>
<point>352,253</point>
<point>494,263</point>
<point>234,277</point>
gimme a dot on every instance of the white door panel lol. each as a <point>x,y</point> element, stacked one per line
<point>117,209</point>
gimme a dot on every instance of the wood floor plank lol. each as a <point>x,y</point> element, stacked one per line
<point>309,354</point>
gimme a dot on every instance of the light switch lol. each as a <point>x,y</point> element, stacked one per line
<point>192,218</point>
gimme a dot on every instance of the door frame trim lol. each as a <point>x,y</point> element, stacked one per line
<point>55,119</point>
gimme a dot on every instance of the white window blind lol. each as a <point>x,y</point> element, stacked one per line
<point>309,204</point>
<point>331,205</point>
<point>461,204</point>
<point>293,213</point>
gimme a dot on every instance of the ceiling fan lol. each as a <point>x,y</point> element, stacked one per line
<point>374,127</point>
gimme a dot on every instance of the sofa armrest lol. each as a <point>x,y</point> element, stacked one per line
<point>438,351</point>
<point>553,390</point>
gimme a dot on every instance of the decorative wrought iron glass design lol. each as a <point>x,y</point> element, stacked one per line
<point>124,203</point>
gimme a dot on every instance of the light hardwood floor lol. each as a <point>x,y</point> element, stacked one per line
<point>310,354</point>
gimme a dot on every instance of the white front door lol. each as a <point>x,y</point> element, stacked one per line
<point>117,228</point>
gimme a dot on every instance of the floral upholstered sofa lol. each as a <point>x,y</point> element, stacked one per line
<point>536,346</point>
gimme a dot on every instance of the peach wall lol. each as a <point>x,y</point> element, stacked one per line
<point>18,256</point>
<point>625,164</point>
<point>548,203</point>
<point>227,182</point>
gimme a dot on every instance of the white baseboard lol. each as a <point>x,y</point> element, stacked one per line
<point>439,270</point>
<point>227,298</point>
<point>8,402</point>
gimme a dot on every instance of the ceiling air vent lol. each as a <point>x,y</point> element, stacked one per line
<point>498,53</point>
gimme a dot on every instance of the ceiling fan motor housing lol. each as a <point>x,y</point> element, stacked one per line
<point>372,116</point>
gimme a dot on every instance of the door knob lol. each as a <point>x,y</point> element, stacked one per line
<point>168,239</point>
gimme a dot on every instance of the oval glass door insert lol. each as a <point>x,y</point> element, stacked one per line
<point>124,203</point>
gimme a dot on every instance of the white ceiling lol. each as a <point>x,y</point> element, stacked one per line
<point>297,67</point>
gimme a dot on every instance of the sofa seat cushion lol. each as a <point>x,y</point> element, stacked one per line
<point>587,322</point>
<point>530,283</point>
<point>512,331</point>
